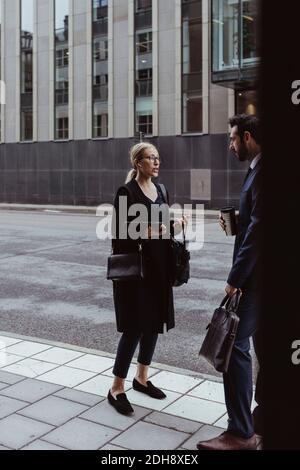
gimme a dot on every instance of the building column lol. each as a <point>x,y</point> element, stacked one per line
<point>51,69</point>
<point>71,70</point>
<point>131,69</point>
<point>205,64</point>
<point>110,69</point>
<point>35,72</point>
<point>3,84</point>
<point>17,12</point>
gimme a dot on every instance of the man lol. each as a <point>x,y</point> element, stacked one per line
<point>245,274</point>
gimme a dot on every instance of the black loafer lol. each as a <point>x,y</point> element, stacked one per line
<point>150,390</point>
<point>120,403</point>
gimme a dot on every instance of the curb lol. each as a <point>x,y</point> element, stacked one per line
<point>97,211</point>
<point>156,365</point>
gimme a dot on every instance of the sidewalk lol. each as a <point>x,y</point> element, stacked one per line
<point>53,396</point>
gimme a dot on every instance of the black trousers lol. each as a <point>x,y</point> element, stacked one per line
<point>126,348</point>
<point>238,379</point>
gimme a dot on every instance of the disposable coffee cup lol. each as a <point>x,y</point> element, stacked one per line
<point>228,215</point>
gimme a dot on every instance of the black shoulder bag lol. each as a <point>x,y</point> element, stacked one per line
<point>126,266</point>
<point>180,255</point>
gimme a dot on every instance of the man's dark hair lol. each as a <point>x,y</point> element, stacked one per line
<point>247,123</point>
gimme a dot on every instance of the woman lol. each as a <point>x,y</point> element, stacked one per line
<point>142,307</point>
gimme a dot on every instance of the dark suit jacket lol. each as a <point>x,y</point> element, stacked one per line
<point>246,269</point>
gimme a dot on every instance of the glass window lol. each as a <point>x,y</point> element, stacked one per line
<point>101,125</point>
<point>61,14</point>
<point>143,67</point>
<point>61,103</point>
<point>192,120</point>
<point>100,69</point>
<point>250,32</point>
<point>100,10</point>
<point>100,49</point>
<point>225,34</point>
<point>143,5</point>
<point>144,122</point>
<point>144,42</point>
<point>26,70</point>
<point>63,127</point>
<point>235,34</point>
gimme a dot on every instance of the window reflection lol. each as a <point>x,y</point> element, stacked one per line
<point>226,34</point>
<point>26,70</point>
<point>61,69</point>
<point>235,34</point>
<point>192,66</point>
<point>250,32</point>
<point>100,68</point>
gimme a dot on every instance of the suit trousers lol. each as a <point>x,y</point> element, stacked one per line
<point>238,383</point>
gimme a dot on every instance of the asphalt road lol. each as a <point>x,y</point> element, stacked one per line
<point>53,286</point>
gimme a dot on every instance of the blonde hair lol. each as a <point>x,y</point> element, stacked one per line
<point>136,154</point>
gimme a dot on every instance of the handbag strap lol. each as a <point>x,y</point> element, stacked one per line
<point>164,192</point>
<point>165,196</point>
<point>233,301</point>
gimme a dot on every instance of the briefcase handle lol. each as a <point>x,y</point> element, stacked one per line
<point>232,302</point>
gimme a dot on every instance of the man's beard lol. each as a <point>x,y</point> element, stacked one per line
<point>242,154</point>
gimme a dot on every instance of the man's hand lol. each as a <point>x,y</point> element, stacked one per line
<point>230,290</point>
<point>222,223</point>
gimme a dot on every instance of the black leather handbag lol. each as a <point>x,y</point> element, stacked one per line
<point>218,342</point>
<point>126,267</point>
<point>180,255</point>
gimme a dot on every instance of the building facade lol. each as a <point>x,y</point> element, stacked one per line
<point>86,79</point>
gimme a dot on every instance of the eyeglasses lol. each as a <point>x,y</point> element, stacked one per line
<point>154,159</point>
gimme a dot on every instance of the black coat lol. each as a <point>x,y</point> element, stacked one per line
<point>144,306</point>
<point>246,270</point>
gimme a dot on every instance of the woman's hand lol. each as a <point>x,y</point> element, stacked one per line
<point>154,233</point>
<point>179,222</point>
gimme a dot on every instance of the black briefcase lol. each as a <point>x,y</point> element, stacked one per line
<point>218,342</point>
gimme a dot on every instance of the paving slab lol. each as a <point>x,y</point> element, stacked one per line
<point>29,367</point>
<point>79,434</point>
<point>173,422</point>
<point>205,432</point>
<point>146,436</point>
<point>66,376</point>
<point>8,378</point>
<point>79,397</point>
<point>41,445</point>
<point>16,431</point>
<point>53,410</point>
<point>105,414</point>
<point>9,406</point>
<point>203,411</point>
<point>30,390</point>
